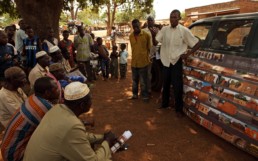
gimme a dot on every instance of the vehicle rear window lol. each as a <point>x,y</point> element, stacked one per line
<point>232,35</point>
<point>201,31</point>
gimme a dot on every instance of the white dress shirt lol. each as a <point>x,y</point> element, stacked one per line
<point>174,43</point>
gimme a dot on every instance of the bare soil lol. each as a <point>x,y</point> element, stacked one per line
<point>158,135</point>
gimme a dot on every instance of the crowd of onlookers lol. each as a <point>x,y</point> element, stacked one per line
<point>42,122</point>
<point>35,72</point>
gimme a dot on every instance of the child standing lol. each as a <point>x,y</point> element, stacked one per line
<point>114,62</point>
<point>103,54</point>
<point>123,61</point>
<point>67,48</point>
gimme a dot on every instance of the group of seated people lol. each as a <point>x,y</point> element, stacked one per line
<point>51,65</point>
<point>31,87</point>
<point>60,135</point>
<point>45,64</point>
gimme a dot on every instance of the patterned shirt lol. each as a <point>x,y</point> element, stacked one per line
<point>21,127</point>
<point>82,45</point>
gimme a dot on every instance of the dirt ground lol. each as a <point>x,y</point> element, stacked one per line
<point>158,135</point>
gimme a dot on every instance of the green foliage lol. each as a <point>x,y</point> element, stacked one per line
<point>63,19</point>
<point>130,14</point>
<point>8,7</point>
<point>122,17</point>
<point>183,15</point>
<point>88,13</point>
<point>126,5</point>
<point>81,4</point>
<point>7,20</point>
<point>89,17</point>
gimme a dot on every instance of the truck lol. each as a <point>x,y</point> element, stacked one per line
<point>221,79</point>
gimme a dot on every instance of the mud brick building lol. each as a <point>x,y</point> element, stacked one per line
<point>232,7</point>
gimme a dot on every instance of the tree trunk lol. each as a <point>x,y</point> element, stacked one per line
<point>76,13</point>
<point>72,10</point>
<point>108,19</point>
<point>111,17</point>
<point>41,14</point>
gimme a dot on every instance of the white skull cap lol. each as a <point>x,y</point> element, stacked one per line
<point>40,54</point>
<point>75,91</point>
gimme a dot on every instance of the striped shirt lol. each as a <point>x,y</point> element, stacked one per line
<point>21,127</point>
<point>31,46</point>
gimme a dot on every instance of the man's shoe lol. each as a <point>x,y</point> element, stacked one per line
<point>133,97</point>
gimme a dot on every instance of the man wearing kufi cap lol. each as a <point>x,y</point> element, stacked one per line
<point>42,69</point>
<point>62,136</point>
<point>59,73</point>
<point>57,57</point>
<point>11,94</point>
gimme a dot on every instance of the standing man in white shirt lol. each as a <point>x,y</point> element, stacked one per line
<point>175,40</point>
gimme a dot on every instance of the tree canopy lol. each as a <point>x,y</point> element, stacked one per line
<point>44,13</point>
<point>9,7</point>
<point>127,6</point>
